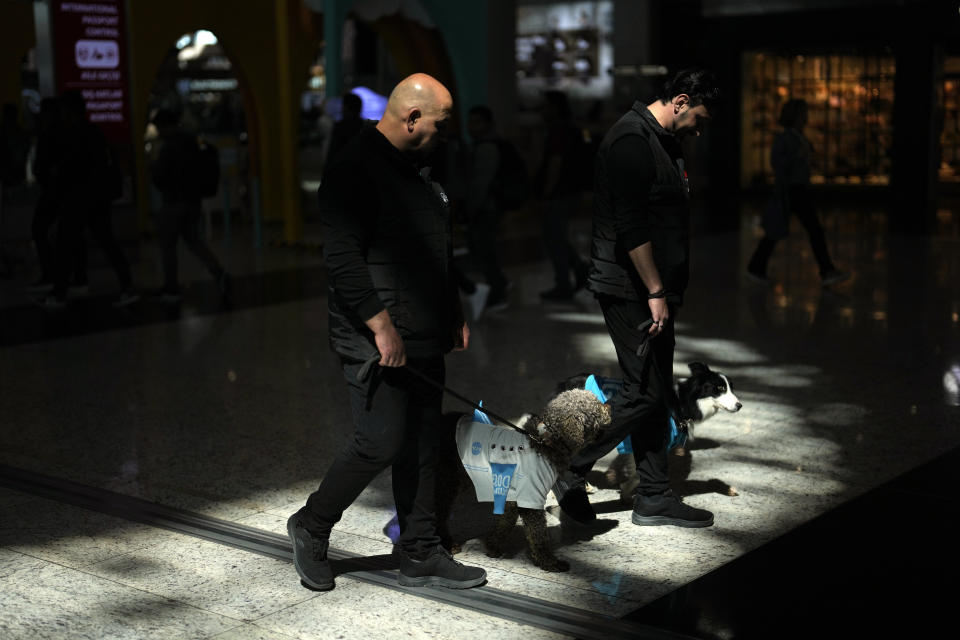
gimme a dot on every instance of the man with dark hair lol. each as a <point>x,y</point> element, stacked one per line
<point>393,297</point>
<point>639,271</point>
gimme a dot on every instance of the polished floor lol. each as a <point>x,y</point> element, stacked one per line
<point>833,489</point>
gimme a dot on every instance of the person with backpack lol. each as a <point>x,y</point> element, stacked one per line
<point>184,173</point>
<point>491,178</point>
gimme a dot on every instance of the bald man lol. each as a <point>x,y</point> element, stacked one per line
<point>393,299</point>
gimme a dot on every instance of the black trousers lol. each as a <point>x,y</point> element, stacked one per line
<point>397,421</point>
<point>639,409</point>
<point>76,215</point>
<point>556,237</point>
<point>482,231</point>
<point>801,204</point>
<point>182,220</point>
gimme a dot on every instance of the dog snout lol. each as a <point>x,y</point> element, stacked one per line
<point>738,407</point>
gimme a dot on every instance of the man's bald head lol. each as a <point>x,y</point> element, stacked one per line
<point>417,115</point>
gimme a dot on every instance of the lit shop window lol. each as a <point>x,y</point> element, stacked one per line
<point>566,46</point>
<point>950,133</point>
<point>850,101</point>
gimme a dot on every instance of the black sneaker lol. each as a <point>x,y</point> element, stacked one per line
<point>310,556</point>
<point>666,508</point>
<point>439,569</point>
<point>576,504</point>
<point>833,276</point>
<point>557,293</point>
<point>497,301</point>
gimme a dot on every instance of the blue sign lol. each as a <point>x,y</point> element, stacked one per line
<point>502,475</point>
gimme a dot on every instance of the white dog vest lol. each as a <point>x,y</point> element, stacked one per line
<point>502,464</point>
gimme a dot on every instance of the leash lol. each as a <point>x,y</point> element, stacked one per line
<point>670,398</point>
<point>372,360</point>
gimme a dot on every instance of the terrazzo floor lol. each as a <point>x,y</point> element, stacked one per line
<point>236,413</point>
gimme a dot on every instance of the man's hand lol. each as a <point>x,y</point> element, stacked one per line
<point>389,343</point>
<point>461,338</point>
<point>660,313</point>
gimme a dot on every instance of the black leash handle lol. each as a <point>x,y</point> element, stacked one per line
<point>670,398</point>
<point>372,360</point>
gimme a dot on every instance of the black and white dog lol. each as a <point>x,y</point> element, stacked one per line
<point>702,395</point>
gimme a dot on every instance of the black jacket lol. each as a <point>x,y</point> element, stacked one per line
<point>387,245</point>
<point>629,211</point>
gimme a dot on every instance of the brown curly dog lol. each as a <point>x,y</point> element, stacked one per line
<point>570,420</point>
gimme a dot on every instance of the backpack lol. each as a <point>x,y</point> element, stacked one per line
<point>205,170</point>
<point>512,182</point>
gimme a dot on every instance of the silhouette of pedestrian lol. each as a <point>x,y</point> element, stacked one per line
<point>83,175</point>
<point>790,159</point>
<point>558,187</point>
<point>175,173</point>
<point>347,126</point>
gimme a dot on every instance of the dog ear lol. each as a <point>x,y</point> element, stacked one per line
<point>698,367</point>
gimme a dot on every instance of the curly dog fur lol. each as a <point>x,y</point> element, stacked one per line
<point>570,420</point>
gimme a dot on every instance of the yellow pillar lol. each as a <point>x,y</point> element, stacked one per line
<point>287,147</point>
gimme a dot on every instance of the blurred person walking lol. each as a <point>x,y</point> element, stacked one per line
<point>790,159</point>
<point>86,181</point>
<point>484,207</point>
<point>181,174</point>
<point>559,190</point>
<point>388,250</point>
<point>347,126</point>
<point>47,151</point>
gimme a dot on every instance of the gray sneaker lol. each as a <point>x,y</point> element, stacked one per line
<point>439,569</point>
<point>310,556</point>
<point>667,508</point>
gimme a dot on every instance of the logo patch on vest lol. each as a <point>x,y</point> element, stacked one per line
<point>502,475</point>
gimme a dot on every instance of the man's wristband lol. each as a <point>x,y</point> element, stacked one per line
<point>657,294</point>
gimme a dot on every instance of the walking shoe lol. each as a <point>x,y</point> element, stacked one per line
<point>478,299</point>
<point>40,286</point>
<point>576,504</point>
<point>170,296</point>
<point>53,303</point>
<point>580,273</point>
<point>557,293</point>
<point>225,285</point>
<point>127,297</point>
<point>833,277</point>
<point>78,290</point>
<point>438,569</point>
<point>310,556</point>
<point>497,301</point>
<point>667,508</point>
<point>758,277</point>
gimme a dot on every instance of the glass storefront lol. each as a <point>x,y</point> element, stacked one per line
<point>950,133</point>
<point>850,100</point>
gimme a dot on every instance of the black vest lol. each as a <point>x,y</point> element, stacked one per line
<point>407,250</point>
<point>612,272</point>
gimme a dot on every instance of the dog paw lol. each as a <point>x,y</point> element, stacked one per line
<point>552,564</point>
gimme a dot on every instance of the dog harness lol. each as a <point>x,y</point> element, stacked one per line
<point>606,388</point>
<point>502,464</point>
